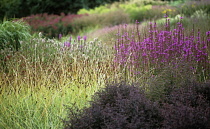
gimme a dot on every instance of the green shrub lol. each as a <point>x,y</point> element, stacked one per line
<point>148,2</point>
<point>100,20</point>
<point>135,11</point>
<point>190,7</point>
<point>97,10</point>
<point>169,78</point>
<point>200,14</point>
<point>12,33</point>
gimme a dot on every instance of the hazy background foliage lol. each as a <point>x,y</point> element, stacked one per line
<point>22,8</point>
<point>52,60</point>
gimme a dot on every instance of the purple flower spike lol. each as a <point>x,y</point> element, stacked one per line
<point>78,38</point>
<point>67,44</point>
<point>85,38</point>
<point>60,36</point>
<point>69,39</point>
<point>208,33</point>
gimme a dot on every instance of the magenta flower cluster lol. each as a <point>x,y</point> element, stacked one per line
<point>46,20</point>
<point>158,48</point>
<point>51,24</point>
<point>68,43</point>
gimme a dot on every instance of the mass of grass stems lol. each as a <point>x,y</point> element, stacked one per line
<point>46,75</point>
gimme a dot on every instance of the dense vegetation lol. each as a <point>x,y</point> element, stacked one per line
<point>144,65</point>
<point>22,8</point>
<point>125,106</point>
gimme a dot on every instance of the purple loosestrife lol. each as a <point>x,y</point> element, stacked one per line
<point>85,38</point>
<point>160,48</point>
<point>78,38</point>
<point>59,36</point>
<point>67,44</point>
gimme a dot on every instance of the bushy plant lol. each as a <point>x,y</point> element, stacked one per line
<point>187,108</point>
<point>190,7</point>
<point>116,106</point>
<point>200,14</point>
<point>100,20</point>
<point>167,79</point>
<point>12,33</point>
<point>136,12</point>
<point>51,25</point>
<point>144,10</point>
<point>97,10</point>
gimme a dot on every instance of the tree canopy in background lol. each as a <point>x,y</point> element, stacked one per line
<point>22,8</point>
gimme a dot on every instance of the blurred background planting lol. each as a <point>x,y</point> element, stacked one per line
<point>64,62</point>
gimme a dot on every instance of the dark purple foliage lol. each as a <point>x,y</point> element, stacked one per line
<point>120,106</point>
<point>188,108</point>
<point>117,106</point>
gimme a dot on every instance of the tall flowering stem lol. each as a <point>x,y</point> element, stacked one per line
<point>158,48</point>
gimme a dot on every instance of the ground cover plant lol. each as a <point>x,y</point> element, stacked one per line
<point>47,75</point>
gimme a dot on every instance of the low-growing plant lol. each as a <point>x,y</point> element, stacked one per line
<point>116,106</point>
<point>167,79</point>
<point>187,108</point>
